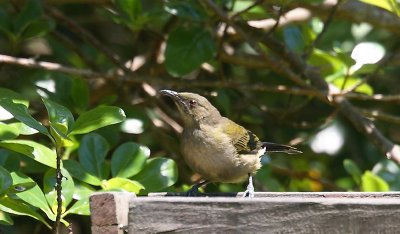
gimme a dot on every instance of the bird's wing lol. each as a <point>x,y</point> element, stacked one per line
<point>242,139</point>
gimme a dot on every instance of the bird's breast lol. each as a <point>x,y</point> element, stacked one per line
<point>209,152</point>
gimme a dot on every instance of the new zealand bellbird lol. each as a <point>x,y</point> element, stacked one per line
<point>217,148</point>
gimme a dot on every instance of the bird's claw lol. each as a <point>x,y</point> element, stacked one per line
<point>250,188</point>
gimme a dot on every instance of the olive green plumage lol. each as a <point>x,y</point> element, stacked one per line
<point>216,147</point>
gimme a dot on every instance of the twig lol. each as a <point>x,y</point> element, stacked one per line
<point>391,150</point>
<point>31,63</point>
<point>247,8</point>
<point>277,66</point>
<point>375,97</point>
<point>58,188</point>
<point>327,23</point>
<point>56,14</point>
<point>356,11</point>
<point>69,44</point>
<point>380,115</point>
<point>278,20</point>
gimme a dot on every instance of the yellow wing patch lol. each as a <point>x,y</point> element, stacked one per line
<point>243,140</point>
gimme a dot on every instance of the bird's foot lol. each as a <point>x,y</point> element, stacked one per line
<point>250,188</point>
<point>194,191</point>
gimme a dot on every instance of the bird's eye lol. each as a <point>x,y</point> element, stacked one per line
<point>192,103</point>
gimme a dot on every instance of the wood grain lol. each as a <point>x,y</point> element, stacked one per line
<point>268,213</point>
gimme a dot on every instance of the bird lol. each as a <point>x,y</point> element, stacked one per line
<point>217,148</point>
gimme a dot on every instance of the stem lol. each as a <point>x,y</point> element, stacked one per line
<point>59,177</point>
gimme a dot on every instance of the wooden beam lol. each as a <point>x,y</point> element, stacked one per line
<point>331,212</point>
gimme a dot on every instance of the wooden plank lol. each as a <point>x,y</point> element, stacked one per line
<point>109,212</point>
<point>289,194</point>
<point>268,213</point>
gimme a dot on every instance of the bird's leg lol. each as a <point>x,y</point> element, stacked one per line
<point>194,191</point>
<point>250,187</point>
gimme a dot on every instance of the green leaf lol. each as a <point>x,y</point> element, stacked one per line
<point>36,151</point>
<point>128,159</point>
<point>82,191</point>
<point>61,139</point>
<point>32,11</point>
<point>351,81</point>
<point>80,94</point>
<point>390,5</point>
<point>5,23</point>
<point>158,173</point>
<point>373,183</point>
<point>15,97</point>
<point>61,121</point>
<point>10,160</point>
<point>390,172</point>
<point>18,208</point>
<point>33,196</point>
<point>187,49</point>
<point>20,112</point>
<point>5,219</point>
<point>186,9</point>
<point>353,170</point>
<point>96,118</point>
<point>20,187</point>
<point>59,116</point>
<point>330,63</point>
<point>37,28</point>
<point>7,132</point>
<point>67,184</point>
<point>23,129</point>
<point>80,173</point>
<point>126,184</point>
<point>293,38</point>
<point>92,151</point>
<point>80,207</point>
<point>5,180</point>
<point>130,9</point>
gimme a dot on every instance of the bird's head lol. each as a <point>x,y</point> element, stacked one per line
<point>194,109</point>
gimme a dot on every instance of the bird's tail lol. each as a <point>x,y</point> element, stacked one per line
<point>274,147</point>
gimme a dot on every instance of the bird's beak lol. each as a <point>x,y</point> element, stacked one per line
<point>179,102</point>
<point>169,93</point>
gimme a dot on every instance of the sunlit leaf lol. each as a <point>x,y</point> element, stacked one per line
<point>14,96</point>
<point>80,207</point>
<point>96,118</point>
<point>7,132</point>
<point>123,183</point>
<point>36,151</point>
<point>5,219</point>
<point>390,5</point>
<point>373,183</point>
<point>33,196</point>
<point>59,116</point>
<point>18,208</point>
<point>23,129</point>
<point>20,112</point>
<point>390,172</point>
<point>350,82</point>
